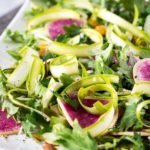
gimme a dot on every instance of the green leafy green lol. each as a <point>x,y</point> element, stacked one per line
<point>101,67</point>
<point>34,12</point>
<point>11,109</point>
<point>129,118</point>
<point>33,123</point>
<point>70,31</point>
<point>75,139</point>
<point>125,67</point>
<point>48,56</point>
<point>66,79</point>
<point>124,142</point>
<point>136,140</point>
<point>45,82</point>
<point>22,38</point>
<point>72,102</point>
<point>2,83</point>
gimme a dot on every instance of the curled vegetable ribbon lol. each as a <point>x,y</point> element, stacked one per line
<point>108,115</point>
<point>98,107</point>
<point>36,73</point>
<point>90,85</point>
<point>67,63</point>
<point>53,13</point>
<point>80,4</point>
<point>139,108</point>
<point>79,50</point>
<point>117,20</point>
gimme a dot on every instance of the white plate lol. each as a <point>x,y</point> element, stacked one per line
<point>12,5</point>
<point>15,142</point>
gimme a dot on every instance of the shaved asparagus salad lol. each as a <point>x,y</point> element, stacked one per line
<point>81,80</point>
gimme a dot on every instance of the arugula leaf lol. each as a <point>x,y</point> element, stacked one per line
<point>70,31</point>
<point>66,79</point>
<point>33,123</point>
<point>21,38</point>
<point>136,140</point>
<point>75,139</point>
<point>101,67</point>
<point>28,125</point>
<point>125,67</point>
<point>124,142</point>
<point>129,117</point>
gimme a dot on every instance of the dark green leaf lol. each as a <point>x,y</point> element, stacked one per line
<point>66,79</point>
<point>72,30</point>
<point>72,102</point>
<point>136,140</point>
<point>48,56</point>
<point>45,82</point>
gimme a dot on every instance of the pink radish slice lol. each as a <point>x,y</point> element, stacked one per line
<point>141,70</point>
<point>84,118</point>
<point>8,125</point>
<point>56,28</point>
<point>94,124</point>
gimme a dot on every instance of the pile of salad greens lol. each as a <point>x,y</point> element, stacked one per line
<point>81,80</point>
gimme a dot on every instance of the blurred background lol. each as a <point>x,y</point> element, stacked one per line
<point>8,9</point>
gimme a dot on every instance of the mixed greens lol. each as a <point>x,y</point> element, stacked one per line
<point>81,80</point>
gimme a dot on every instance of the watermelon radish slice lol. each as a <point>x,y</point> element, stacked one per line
<point>95,124</point>
<point>8,125</point>
<point>56,28</point>
<point>141,70</point>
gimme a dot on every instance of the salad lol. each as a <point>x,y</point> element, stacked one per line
<point>81,80</point>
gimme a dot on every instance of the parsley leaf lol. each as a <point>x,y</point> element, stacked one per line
<point>72,30</point>
<point>129,117</point>
<point>125,67</point>
<point>71,139</point>
<point>134,142</point>
<point>101,67</point>
<point>21,38</point>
